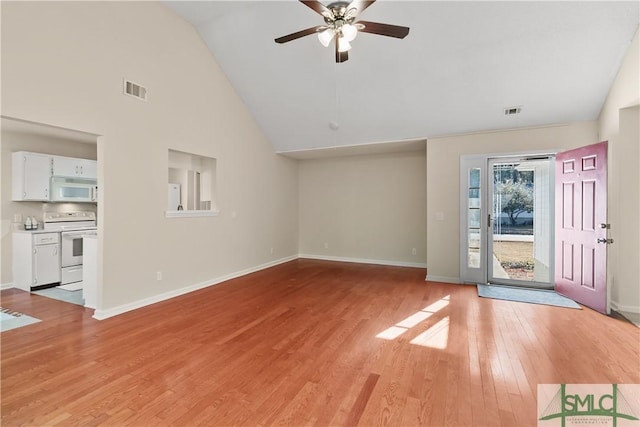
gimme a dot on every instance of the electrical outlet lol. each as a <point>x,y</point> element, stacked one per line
<point>271,251</point>
<point>413,251</point>
<point>326,245</point>
<point>159,275</point>
<point>17,218</point>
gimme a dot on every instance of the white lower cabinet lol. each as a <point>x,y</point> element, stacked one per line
<point>36,259</point>
<point>46,264</point>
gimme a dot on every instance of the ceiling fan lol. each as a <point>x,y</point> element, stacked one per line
<point>341,26</point>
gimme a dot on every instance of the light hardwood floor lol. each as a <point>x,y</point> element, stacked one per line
<point>300,344</point>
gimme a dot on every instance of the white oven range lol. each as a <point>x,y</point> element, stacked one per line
<point>73,226</point>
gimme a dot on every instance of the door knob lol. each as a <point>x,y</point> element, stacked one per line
<point>606,241</point>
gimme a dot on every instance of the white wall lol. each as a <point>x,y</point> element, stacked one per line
<point>63,64</point>
<point>365,207</point>
<point>618,124</point>
<point>443,181</point>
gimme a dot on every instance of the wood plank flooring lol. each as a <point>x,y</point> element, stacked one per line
<point>300,344</point>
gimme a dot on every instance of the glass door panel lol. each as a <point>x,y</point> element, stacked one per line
<point>474,216</point>
<point>521,211</point>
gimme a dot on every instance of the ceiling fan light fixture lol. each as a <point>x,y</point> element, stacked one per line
<point>340,25</point>
<point>343,44</point>
<point>349,32</point>
<point>326,36</point>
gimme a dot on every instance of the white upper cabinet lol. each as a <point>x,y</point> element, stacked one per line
<point>74,168</point>
<point>30,176</point>
<point>89,168</point>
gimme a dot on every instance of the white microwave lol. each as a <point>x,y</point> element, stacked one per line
<point>73,190</point>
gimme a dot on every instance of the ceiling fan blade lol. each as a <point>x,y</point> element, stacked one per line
<point>316,6</point>
<point>298,34</point>
<point>341,56</point>
<point>360,5</point>
<point>384,29</point>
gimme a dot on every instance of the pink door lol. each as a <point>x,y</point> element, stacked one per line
<point>581,225</point>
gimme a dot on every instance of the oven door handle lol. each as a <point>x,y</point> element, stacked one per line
<point>73,234</point>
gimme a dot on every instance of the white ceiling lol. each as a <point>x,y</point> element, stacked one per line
<point>460,66</point>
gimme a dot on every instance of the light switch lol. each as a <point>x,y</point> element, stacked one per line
<point>439,216</point>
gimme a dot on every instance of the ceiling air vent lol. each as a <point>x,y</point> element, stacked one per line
<point>510,111</point>
<point>135,90</point>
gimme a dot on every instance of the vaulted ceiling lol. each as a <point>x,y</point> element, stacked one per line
<point>461,65</point>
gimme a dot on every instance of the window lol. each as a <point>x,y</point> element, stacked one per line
<point>191,185</point>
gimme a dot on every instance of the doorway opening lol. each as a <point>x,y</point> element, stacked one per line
<point>507,220</point>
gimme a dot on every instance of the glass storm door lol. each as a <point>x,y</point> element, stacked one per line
<point>520,222</point>
<point>506,220</point>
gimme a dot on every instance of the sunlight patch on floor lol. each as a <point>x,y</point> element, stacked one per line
<point>392,333</point>
<point>436,336</point>
<point>432,337</point>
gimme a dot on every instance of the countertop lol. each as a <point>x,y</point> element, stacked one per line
<point>39,230</point>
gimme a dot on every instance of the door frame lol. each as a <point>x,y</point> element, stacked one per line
<point>469,274</point>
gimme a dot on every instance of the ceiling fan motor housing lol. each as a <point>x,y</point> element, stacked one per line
<point>339,14</point>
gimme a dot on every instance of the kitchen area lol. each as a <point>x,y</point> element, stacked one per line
<point>49,212</point>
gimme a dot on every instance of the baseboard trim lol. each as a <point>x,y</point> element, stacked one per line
<point>6,286</point>
<point>364,261</point>
<point>100,314</point>
<point>445,279</point>
<point>624,308</point>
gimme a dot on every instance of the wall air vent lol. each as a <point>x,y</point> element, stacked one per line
<point>510,111</point>
<point>135,90</point>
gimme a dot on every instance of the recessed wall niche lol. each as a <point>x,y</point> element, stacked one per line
<point>191,185</point>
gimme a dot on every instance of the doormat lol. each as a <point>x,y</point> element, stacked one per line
<point>10,319</point>
<point>533,296</point>
<point>74,297</point>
